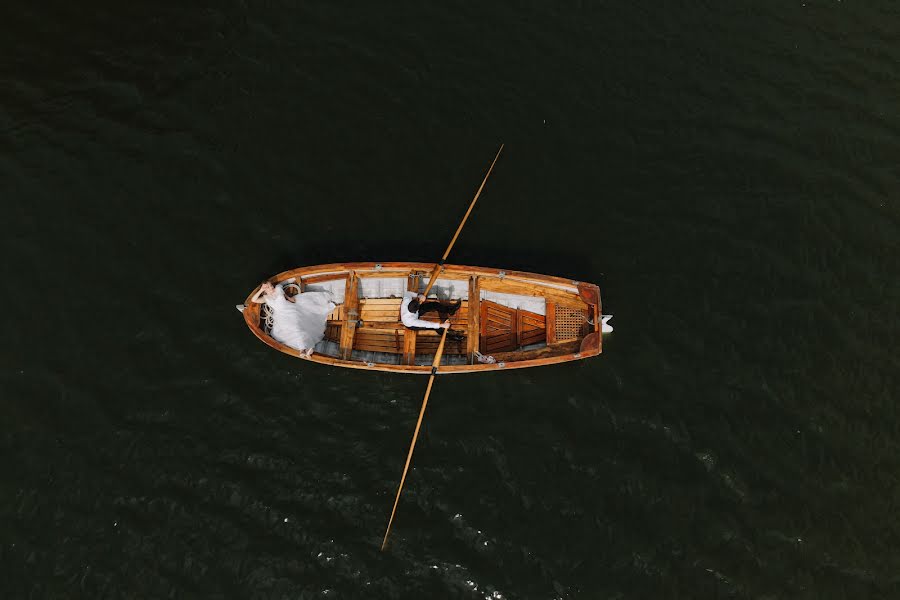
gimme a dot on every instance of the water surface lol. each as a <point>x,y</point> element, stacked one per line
<point>726,173</point>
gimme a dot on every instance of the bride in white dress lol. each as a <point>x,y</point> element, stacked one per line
<point>298,321</point>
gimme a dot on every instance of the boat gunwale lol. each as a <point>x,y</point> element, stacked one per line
<point>589,345</point>
<point>380,268</point>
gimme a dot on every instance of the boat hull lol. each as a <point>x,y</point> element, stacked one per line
<point>503,318</point>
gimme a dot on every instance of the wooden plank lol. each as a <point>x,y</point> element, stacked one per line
<point>498,327</point>
<point>383,325</point>
<point>351,314</point>
<point>387,338</point>
<point>547,351</point>
<point>322,278</point>
<point>550,320</point>
<point>456,319</point>
<point>384,274</point>
<point>450,271</point>
<point>388,301</point>
<point>528,340</point>
<point>333,331</point>
<point>535,290</point>
<point>380,309</point>
<point>391,345</point>
<point>381,313</point>
<point>531,329</point>
<point>409,335</point>
<point>382,342</point>
<point>500,343</point>
<point>378,334</point>
<point>498,321</point>
<point>427,344</point>
<point>378,317</point>
<point>474,319</point>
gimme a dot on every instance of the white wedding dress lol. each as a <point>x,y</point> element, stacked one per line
<point>299,324</point>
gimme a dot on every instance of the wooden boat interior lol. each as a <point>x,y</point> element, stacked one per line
<point>518,319</point>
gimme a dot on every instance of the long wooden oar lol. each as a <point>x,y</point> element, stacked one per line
<point>412,445</point>
<point>440,265</point>
<point>440,350</point>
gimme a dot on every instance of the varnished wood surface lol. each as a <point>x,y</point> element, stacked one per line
<point>589,292</point>
<point>531,328</point>
<point>564,349</point>
<point>402,269</point>
<point>410,335</point>
<point>498,328</point>
<point>590,345</point>
<point>474,305</point>
<point>550,322</point>
<point>564,292</point>
<point>522,288</point>
<point>351,315</point>
<point>458,320</point>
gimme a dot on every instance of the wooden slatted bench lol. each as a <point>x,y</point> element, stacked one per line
<point>458,321</point>
<point>427,343</point>
<point>379,340</point>
<point>380,310</point>
<point>334,323</point>
<point>382,331</point>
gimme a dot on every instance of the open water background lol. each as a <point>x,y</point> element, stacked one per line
<point>727,172</point>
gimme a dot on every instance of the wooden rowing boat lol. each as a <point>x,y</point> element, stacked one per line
<point>520,319</point>
<point>506,320</point>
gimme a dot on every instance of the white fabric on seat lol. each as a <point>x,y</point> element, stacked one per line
<point>299,324</point>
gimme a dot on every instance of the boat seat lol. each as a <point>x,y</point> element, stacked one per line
<point>457,321</point>
<point>334,324</point>
<point>391,341</point>
<point>382,331</point>
<point>379,340</point>
<point>387,310</point>
<point>427,343</point>
<point>380,310</point>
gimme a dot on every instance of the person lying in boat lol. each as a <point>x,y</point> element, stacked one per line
<point>298,319</point>
<point>414,305</point>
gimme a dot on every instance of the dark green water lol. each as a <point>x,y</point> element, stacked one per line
<point>726,172</point>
